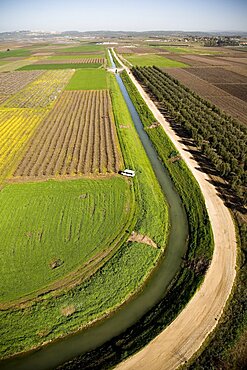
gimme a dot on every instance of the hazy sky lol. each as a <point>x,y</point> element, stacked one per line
<point>131,15</point>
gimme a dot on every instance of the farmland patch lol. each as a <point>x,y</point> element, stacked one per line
<point>77,137</point>
<point>238,90</point>
<point>16,127</point>
<point>152,59</point>
<point>12,82</point>
<point>88,80</point>
<point>73,61</point>
<point>48,229</point>
<point>217,75</point>
<point>55,66</point>
<point>87,48</point>
<point>15,53</point>
<point>42,92</point>
<point>61,58</point>
<point>232,105</point>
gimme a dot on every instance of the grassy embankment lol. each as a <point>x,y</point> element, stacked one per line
<point>152,59</point>
<point>119,278</point>
<point>196,260</point>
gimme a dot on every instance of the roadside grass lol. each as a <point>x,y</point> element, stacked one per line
<point>226,347</point>
<point>153,59</point>
<point>65,223</point>
<point>60,66</point>
<point>15,53</point>
<point>88,80</point>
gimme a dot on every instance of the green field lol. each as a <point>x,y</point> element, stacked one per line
<point>47,320</point>
<point>88,80</point>
<point>15,53</point>
<point>60,66</point>
<point>71,56</point>
<point>187,50</point>
<point>87,48</point>
<point>64,221</point>
<point>152,59</point>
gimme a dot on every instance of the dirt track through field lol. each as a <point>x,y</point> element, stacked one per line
<point>184,336</point>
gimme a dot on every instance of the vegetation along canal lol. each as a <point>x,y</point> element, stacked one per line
<point>62,350</point>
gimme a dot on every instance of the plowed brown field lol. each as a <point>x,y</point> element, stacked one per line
<point>77,137</point>
<point>221,97</point>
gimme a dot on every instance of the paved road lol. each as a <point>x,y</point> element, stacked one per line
<point>184,336</point>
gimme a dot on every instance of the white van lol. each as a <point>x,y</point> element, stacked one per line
<point>127,172</point>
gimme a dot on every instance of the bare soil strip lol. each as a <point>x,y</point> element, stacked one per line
<point>77,137</point>
<point>144,239</point>
<point>184,336</point>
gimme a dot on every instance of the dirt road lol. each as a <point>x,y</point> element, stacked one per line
<point>184,336</point>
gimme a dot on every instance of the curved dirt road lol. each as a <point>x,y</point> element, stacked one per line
<point>184,336</point>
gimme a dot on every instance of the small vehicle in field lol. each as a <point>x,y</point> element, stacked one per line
<point>127,172</point>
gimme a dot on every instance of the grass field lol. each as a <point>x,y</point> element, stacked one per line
<point>152,59</point>
<point>87,48</point>
<point>88,80</point>
<point>15,53</point>
<point>51,318</point>
<point>14,65</point>
<point>59,66</point>
<point>187,50</point>
<point>65,223</point>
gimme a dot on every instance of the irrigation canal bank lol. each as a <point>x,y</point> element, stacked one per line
<point>62,350</point>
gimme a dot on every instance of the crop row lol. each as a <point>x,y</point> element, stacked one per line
<point>221,138</point>
<point>73,61</point>
<point>42,92</point>
<point>16,127</point>
<point>77,137</point>
<point>12,82</point>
